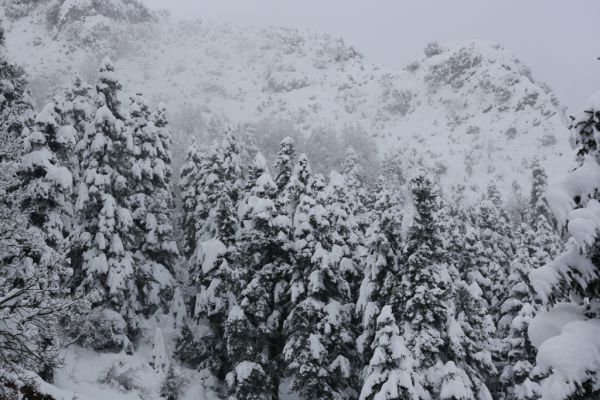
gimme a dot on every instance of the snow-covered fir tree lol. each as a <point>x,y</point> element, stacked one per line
<point>248,378</point>
<point>173,384</point>
<point>216,277</point>
<point>16,109</point>
<point>264,249</point>
<point>151,204</point>
<point>31,299</point>
<point>471,334</point>
<point>219,172</point>
<point>355,185</point>
<point>231,164</point>
<point>77,103</point>
<point>390,374</point>
<point>547,238</point>
<point>423,290</point>
<point>347,250</point>
<point>284,165</point>
<point>189,192</point>
<point>471,326</point>
<point>103,257</point>
<point>422,295</point>
<point>299,184</point>
<point>44,172</point>
<point>517,354</point>
<point>319,339</point>
<point>495,236</point>
<point>384,243</point>
<point>569,285</point>
<point>538,200</point>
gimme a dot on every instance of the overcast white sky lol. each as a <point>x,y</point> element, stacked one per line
<point>558,39</point>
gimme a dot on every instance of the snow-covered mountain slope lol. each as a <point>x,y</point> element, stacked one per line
<point>472,111</point>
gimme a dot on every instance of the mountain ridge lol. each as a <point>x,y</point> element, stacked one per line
<point>470,111</point>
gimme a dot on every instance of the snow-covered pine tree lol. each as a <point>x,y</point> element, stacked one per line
<point>248,378</point>
<point>245,135</point>
<point>471,327</point>
<point>264,250</point>
<point>231,165</point>
<point>352,170</point>
<point>189,190</point>
<point>347,251</point>
<point>45,174</point>
<point>422,299</point>
<point>284,165</point>
<point>78,105</point>
<point>390,374</point>
<point>472,256</point>
<point>471,334</point>
<point>504,228</point>
<point>422,295</point>
<point>103,259</point>
<point>173,384</point>
<point>547,238</point>
<point>383,248</point>
<point>220,172</point>
<point>30,301</point>
<point>75,108</point>
<point>538,199</point>
<point>216,277</point>
<point>16,109</point>
<point>298,184</point>
<point>319,340</point>
<point>164,135</point>
<point>46,201</point>
<point>165,204</point>
<point>151,203</point>
<point>570,285</point>
<point>496,239</point>
<point>517,354</point>
<point>209,187</point>
<point>355,185</point>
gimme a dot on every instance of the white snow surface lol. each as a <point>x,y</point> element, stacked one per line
<point>548,324</point>
<point>208,254</point>
<point>580,182</point>
<point>545,279</point>
<point>79,378</point>
<point>573,356</point>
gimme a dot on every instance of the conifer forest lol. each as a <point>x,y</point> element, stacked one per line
<point>198,211</point>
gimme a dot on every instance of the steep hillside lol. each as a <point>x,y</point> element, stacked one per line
<point>471,111</point>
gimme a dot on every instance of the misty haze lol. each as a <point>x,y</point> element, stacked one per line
<point>277,200</point>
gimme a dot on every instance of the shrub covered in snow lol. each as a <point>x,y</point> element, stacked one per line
<point>121,376</point>
<point>102,329</point>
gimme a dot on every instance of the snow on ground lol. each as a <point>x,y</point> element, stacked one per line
<point>84,369</point>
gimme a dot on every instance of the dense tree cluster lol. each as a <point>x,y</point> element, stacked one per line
<point>318,286</point>
<point>288,283</point>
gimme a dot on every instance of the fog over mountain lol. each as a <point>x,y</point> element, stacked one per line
<point>299,201</point>
<point>391,33</point>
